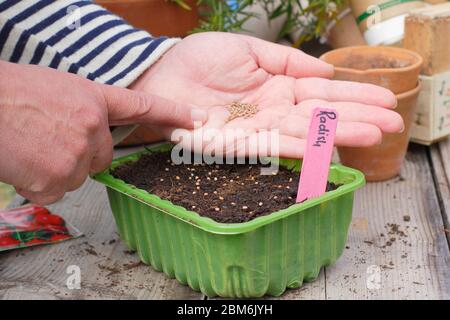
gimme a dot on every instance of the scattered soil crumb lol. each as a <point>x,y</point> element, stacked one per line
<point>406,218</point>
<point>111,269</point>
<point>91,251</point>
<point>132,265</point>
<point>394,229</point>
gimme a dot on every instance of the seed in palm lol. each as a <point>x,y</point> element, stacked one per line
<point>241,110</point>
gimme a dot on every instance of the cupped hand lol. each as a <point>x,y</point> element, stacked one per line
<point>213,70</point>
<point>55,127</point>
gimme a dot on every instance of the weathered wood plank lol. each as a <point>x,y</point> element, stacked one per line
<point>440,156</point>
<point>108,270</point>
<point>413,265</point>
<point>420,260</point>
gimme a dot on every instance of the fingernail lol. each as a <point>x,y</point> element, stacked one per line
<point>396,104</point>
<point>199,115</point>
<point>402,129</point>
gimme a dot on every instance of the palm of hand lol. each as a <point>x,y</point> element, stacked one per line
<point>212,70</point>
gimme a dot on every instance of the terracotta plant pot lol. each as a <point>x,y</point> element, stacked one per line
<point>396,69</point>
<point>384,161</point>
<point>158,17</point>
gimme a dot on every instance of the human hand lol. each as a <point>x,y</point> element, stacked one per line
<point>212,70</point>
<point>55,127</point>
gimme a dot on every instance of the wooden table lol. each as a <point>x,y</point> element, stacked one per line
<point>413,265</point>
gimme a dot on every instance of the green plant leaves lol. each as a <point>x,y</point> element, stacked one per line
<point>312,19</point>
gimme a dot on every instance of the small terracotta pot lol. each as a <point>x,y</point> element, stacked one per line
<point>396,69</point>
<point>158,17</point>
<point>384,161</point>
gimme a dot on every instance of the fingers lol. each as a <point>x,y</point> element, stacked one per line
<point>387,120</point>
<point>41,198</point>
<point>97,157</point>
<point>291,147</point>
<point>104,153</point>
<point>278,145</point>
<point>284,60</point>
<point>130,107</point>
<point>355,134</point>
<point>334,90</point>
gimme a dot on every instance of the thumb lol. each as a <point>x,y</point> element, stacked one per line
<point>127,106</point>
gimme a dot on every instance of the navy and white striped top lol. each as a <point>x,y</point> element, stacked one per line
<point>78,37</point>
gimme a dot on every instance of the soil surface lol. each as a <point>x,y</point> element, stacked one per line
<point>225,193</point>
<point>361,62</point>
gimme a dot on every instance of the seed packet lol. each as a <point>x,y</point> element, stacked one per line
<point>32,225</point>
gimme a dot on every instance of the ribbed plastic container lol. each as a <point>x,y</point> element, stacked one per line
<point>263,256</point>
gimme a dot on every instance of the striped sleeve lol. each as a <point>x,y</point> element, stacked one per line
<point>78,37</point>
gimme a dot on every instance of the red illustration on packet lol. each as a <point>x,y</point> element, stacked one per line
<point>32,225</point>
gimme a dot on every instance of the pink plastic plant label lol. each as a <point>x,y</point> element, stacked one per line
<point>317,157</point>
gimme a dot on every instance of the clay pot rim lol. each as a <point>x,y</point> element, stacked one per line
<point>411,67</point>
<point>409,93</point>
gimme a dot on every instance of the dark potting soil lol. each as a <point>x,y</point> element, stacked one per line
<point>229,193</point>
<point>361,62</point>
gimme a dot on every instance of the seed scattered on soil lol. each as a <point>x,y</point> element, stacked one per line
<point>406,218</point>
<point>241,110</point>
<point>236,202</point>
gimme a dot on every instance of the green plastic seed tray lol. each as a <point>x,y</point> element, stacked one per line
<point>261,257</point>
